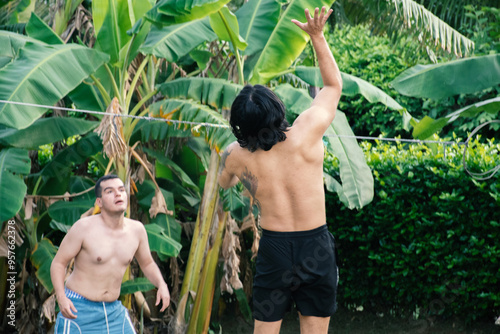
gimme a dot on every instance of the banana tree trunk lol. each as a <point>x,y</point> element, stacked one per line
<point>199,278</point>
<point>122,167</point>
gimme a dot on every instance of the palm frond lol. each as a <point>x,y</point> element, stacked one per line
<point>443,34</point>
<point>453,11</point>
<point>424,19</point>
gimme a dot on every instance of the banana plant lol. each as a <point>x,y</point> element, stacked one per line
<point>262,23</point>
<point>463,76</point>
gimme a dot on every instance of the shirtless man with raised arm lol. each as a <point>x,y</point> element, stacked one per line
<point>282,167</point>
<point>103,246</point>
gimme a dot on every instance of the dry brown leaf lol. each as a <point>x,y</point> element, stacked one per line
<point>249,222</point>
<point>49,308</point>
<point>231,243</point>
<point>111,131</point>
<point>28,208</point>
<point>158,205</point>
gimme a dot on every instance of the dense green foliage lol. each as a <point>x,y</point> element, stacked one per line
<point>427,245</point>
<point>378,60</point>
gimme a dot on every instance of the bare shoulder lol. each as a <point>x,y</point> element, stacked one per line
<point>232,150</point>
<point>84,224</point>
<point>135,225</point>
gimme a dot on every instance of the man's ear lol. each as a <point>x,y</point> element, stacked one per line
<point>98,202</point>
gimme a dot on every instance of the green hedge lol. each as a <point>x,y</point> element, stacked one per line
<point>429,243</point>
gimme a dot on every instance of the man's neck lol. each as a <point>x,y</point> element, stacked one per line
<point>113,220</point>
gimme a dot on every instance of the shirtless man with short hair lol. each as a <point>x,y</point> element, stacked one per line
<point>282,167</point>
<point>103,246</point>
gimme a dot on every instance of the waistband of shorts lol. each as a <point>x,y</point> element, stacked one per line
<point>76,296</point>
<point>295,234</point>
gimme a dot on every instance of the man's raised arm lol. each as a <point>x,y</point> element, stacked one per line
<point>324,106</point>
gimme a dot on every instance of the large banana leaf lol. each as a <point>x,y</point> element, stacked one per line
<point>41,258</point>
<point>69,212</point>
<point>214,127</point>
<point>43,75</point>
<point>296,100</point>
<point>462,76</point>
<point>137,284</point>
<point>11,44</point>
<point>176,169</point>
<point>56,174</point>
<point>356,190</point>
<point>218,93</point>
<point>175,41</point>
<point>111,21</point>
<point>87,97</point>
<point>286,42</point>
<point>351,86</point>
<point>167,12</point>
<point>13,163</point>
<point>257,19</point>
<point>45,131</point>
<point>156,130</point>
<point>160,242</point>
<point>225,25</point>
<point>38,29</point>
<point>428,126</point>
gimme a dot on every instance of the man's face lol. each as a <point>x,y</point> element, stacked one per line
<point>113,197</point>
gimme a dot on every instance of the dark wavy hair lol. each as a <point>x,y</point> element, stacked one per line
<point>258,118</point>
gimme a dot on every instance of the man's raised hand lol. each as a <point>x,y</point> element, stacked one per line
<point>314,25</point>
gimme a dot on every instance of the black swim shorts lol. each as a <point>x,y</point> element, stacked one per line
<point>295,266</point>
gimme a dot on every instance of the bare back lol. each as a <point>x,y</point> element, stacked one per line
<point>286,181</point>
<point>103,258</point>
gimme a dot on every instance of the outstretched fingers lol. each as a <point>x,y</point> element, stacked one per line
<point>315,22</point>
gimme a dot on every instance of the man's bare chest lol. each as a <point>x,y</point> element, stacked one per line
<point>102,248</point>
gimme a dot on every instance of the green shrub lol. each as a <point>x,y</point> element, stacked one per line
<point>428,244</point>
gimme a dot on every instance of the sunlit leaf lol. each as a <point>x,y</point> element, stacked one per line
<point>428,126</point>
<point>225,25</point>
<point>286,42</point>
<point>461,76</point>
<point>25,79</point>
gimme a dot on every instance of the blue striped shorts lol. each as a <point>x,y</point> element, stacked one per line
<point>94,317</point>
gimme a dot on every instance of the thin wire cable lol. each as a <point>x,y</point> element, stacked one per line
<point>147,118</point>
<point>413,141</point>
<point>477,176</point>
